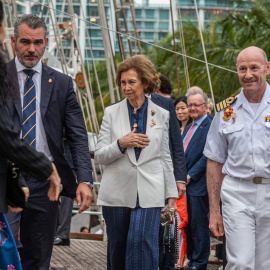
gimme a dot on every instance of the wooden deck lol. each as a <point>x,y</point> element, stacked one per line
<point>87,255</point>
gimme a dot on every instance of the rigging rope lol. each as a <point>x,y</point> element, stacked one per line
<point>149,43</point>
<point>204,53</point>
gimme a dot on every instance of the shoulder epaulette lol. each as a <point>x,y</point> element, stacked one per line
<point>225,103</point>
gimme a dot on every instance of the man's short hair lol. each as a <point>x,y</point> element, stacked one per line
<point>165,85</point>
<point>32,21</point>
<point>197,90</point>
<point>192,88</point>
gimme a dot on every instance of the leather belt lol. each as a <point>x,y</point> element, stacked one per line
<point>261,180</point>
<point>256,180</point>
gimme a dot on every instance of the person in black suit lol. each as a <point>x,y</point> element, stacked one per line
<point>166,261</point>
<point>194,138</point>
<point>24,156</point>
<point>44,100</point>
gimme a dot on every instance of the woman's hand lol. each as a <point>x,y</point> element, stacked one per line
<point>171,204</point>
<point>18,209</point>
<point>14,209</point>
<point>133,139</point>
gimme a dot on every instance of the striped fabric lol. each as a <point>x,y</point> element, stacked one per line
<point>29,109</point>
<point>133,237</point>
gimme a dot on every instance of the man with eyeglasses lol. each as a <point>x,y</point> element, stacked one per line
<point>194,138</point>
<point>238,168</point>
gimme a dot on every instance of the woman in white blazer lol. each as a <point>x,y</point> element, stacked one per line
<point>133,145</point>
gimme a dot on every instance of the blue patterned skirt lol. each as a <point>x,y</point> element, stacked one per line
<point>9,259</point>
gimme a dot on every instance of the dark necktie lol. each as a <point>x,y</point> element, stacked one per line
<point>29,109</point>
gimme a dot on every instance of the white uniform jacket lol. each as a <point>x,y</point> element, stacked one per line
<point>151,177</point>
<point>242,144</point>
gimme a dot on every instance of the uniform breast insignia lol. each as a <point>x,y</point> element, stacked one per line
<point>234,115</point>
<point>225,103</point>
<point>267,118</point>
<point>228,114</point>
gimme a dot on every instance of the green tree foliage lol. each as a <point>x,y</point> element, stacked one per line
<point>224,38</point>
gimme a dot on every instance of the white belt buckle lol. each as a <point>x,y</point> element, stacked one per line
<point>257,180</point>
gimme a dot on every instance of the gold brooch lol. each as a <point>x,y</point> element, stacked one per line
<point>153,112</point>
<point>153,123</point>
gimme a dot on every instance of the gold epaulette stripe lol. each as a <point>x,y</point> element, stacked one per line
<point>225,103</point>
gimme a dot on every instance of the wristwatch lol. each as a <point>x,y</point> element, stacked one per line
<point>88,184</point>
<point>188,177</point>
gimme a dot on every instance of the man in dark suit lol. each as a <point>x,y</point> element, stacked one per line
<point>194,138</point>
<point>166,261</point>
<point>42,104</point>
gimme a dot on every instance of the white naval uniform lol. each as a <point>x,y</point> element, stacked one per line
<point>243,147</point>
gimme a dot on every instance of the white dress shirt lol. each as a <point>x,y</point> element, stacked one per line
<point>41,140</point>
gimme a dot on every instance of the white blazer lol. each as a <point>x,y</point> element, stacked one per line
<point>123,178</point>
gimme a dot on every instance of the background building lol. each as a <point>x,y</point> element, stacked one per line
<point>153,19</point>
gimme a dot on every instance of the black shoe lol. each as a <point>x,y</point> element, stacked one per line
<point>61,242</point>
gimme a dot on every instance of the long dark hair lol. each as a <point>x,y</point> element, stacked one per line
<point>4,81</point>
<point>183,99</point>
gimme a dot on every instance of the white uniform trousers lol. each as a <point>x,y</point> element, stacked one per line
<point>246,217</point>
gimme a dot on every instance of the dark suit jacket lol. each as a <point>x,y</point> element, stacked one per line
<point>19,152</point>
<point>59,109</point>
<point>175,140</point>
<point>195,160</point>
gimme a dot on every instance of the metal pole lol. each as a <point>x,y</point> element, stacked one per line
<point>175,55</point>
<point>119,30</point>
<point>126,26</point>
<point>135,25</point>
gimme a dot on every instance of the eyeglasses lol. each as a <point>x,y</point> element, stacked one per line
<point>195,105</point>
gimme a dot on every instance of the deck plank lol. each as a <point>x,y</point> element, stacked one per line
<point>87,255</point>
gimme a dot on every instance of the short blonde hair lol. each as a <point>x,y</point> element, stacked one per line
<point>210,104</point>
<point>145,69</point>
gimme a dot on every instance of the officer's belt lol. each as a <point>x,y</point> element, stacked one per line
<point>256,180</point>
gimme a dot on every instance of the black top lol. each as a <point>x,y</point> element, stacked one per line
<point>19,152</point>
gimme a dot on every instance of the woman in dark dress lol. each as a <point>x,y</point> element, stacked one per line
<point>181,109</point>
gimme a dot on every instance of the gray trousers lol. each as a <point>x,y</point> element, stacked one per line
<point>64,217</point>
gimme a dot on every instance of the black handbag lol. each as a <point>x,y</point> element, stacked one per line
<point>170,236</point>
<point>15,186</point>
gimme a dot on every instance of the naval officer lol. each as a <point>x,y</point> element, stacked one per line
<point>238,169</point>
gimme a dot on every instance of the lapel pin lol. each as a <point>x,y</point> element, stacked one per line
<point>135,125</point>
<point>153,123</point>
<point>50,80</point>
<point>153,112</point>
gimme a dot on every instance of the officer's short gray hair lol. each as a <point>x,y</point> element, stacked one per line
<point>197,90</point>
<point>32,21</point>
